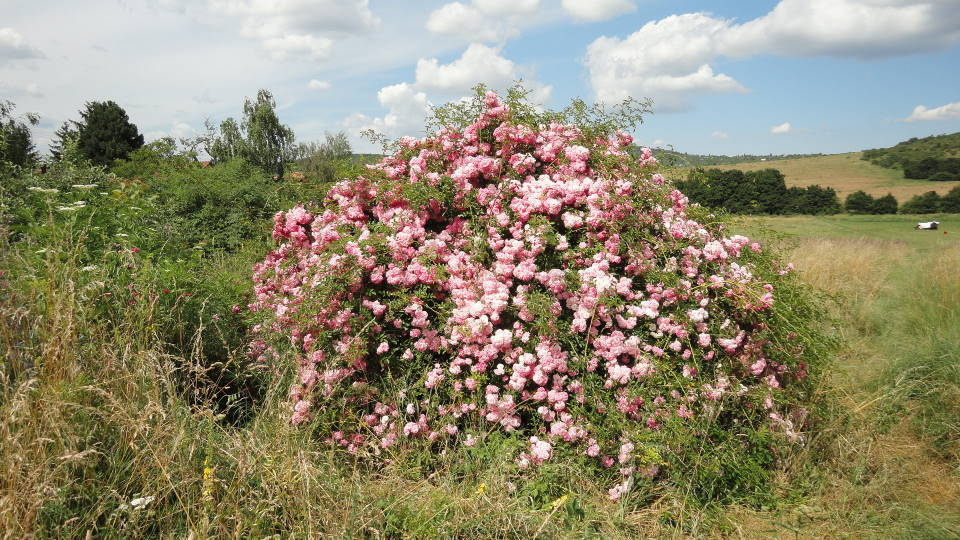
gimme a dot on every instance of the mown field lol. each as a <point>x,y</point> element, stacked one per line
<point>845,173</point>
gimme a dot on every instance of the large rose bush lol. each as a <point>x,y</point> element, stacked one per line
<point>531,279</point>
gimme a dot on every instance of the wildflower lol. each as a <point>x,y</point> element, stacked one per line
<point>208,477</point>
<point>139,503</point>
<point>619,490</point>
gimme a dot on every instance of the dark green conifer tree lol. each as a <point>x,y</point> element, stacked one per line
<point>106,133</point>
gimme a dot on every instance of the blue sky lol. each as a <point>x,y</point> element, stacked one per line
<point>773,76</point>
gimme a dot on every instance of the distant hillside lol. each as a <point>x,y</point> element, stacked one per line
<point>935,146</point>
<point>845,173</point>
<point>935,158</point>
<point>672,158</point>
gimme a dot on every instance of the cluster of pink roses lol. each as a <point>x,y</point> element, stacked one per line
<point>526,278</point>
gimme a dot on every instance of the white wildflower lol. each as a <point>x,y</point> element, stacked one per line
<point>73,206</point>
<point>137,504</point>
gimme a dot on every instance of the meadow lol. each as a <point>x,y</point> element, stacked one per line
<point>103,440</point>
<point>104,426</point>
<point>140,399</point>
<point>895,298</point>
<point>845,173</point>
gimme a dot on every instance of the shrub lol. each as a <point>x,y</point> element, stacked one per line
<point>944,176</point>
<point>216,208</point>
<point>885,205</point>
<point>859,202</point>
<point>151,159</point>
<point>951,201</point>
<point>927,203</point>
<point>524,275</point>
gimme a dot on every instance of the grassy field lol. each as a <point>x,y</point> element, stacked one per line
<point>890,462</point>
<point>845,173</point>
<point>99,439</point>
<point>892,229</point>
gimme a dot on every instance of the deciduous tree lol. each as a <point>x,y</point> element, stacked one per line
<point>859,202</point>
<point>260,138</point>
<point>268,142</point>
<point>928,203</point>
<point>885,205</point>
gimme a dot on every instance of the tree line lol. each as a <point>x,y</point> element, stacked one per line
<point>105,136</point>
<point>931,203</point>
<point>756,192</point>
<point>765,192</point>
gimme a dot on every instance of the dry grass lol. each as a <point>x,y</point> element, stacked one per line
<point>94,419</point>
<point>100,421</point>
<point>845,173</point>
<point>872,473</point>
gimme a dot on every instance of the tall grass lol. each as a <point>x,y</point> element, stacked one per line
<point>922,328</point>
<point>885,465</point>
<point>101,436</point>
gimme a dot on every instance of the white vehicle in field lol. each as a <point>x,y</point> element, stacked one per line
<point>928,225</point>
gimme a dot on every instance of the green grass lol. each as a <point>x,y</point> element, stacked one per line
<point>890,461</point>
<point>101,419</point>
<point>893,228</point>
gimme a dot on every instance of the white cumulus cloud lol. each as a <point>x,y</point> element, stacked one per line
<point>597,10</point>
<point>507,7</point>
<point>314,84</point>
<point>847,28</point>
<point>667,60</point>
<point>944,112</point>
<point>478,64</point>
<point>781,129</point>
<point>407,109</point>
<point>671,60</point>
<point>719,135</point>
<point>482,20</point>
<point>408,104</point>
